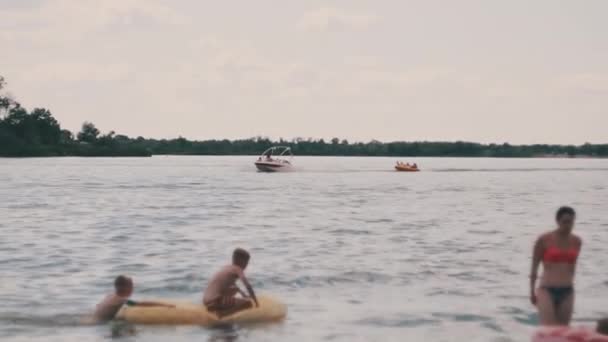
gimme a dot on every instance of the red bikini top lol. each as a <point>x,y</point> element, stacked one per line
<point>554,254</point>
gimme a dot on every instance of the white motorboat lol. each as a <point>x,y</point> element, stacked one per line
<point>274,159</point>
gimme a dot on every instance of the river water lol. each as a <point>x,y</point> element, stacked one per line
<point>357,252</point>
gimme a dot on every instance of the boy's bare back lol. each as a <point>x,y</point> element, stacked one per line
<point>108,307</point>
<point>220,295</point>
<point>222,283</point>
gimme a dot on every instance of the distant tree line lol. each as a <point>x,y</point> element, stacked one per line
<point>36,133</point>
<point>26,133</point>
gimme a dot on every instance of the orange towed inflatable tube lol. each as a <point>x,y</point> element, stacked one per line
<point>406,168</point>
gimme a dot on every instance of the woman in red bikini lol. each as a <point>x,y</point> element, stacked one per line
<point>558,251</point>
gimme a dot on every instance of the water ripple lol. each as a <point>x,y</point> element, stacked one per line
<point>358,252</point>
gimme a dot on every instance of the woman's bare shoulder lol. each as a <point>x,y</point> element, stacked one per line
<point>545,236</point>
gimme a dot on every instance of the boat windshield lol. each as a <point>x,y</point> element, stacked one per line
<point>277,153</point>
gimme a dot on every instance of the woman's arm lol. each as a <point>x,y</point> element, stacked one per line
<point>537,254</point>
<point>579,243</point>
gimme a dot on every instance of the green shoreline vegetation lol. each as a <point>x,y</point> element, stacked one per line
<point>37,133</point>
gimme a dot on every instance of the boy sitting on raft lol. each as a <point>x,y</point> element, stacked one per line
<point>220,295</point>
<point>109,307</point>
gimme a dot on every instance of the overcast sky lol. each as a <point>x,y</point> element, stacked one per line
<point>492,71</point>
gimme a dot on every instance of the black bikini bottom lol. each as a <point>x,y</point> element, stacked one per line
<point>559,294</point>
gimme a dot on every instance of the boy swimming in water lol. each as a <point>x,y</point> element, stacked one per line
<point>220,295</point>
<point>109,307</point>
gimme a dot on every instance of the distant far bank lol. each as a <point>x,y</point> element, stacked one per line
<point>89,143</point>
<point>37,133</point>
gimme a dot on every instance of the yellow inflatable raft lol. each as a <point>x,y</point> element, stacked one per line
<point>184,313</point>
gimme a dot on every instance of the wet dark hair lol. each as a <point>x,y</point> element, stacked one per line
<point>564,211</point>
<point>122,281</point>
<point>240,254</point>
<point>602,326</point>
